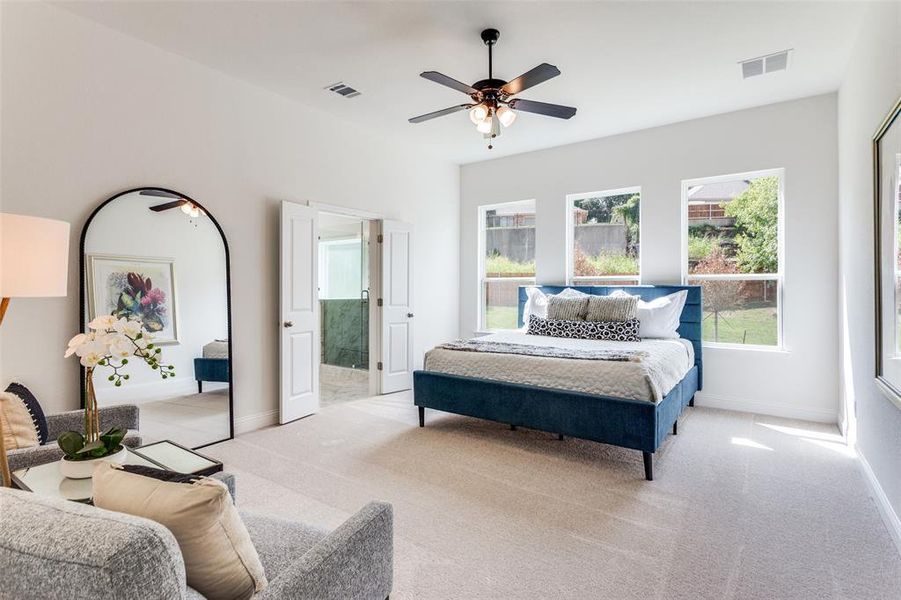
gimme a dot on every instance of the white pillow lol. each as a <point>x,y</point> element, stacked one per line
<point>536,304</point>
<point>571,293</point>
<point>660,317</point>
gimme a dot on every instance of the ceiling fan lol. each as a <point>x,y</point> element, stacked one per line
<point>492,103</point>
<point>187,207</point>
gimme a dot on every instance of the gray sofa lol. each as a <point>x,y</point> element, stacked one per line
<point>126,416</point>
<point>55,549</point>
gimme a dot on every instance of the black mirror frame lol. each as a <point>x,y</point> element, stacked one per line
<point>890,390</point>
<point>82,301</point>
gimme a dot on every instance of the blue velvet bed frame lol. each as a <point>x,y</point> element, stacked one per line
<point>635,424</point>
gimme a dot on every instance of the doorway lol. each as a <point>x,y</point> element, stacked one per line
<point>345,285</point>
<point>367,265</point>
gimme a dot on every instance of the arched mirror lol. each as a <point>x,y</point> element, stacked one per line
<point>158,257</point>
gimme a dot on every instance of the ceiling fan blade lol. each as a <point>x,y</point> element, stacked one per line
<point>543,108</point>
<point>449,82</point>
<point>158,193</point>
<point>539,74</point>
<point>440,113</point>
<point>167,205</point>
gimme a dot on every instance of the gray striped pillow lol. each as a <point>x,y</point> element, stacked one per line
<point>561,308</point>
<point>605,308</point>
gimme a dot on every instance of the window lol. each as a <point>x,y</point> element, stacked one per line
<point>733,249</point>
<point>506,261</point>
<point>603,237</point>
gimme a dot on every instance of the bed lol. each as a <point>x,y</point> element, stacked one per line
<point>214,365</point>
<point>602,401</point>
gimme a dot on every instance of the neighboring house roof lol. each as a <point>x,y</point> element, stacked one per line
<point>715,193</point>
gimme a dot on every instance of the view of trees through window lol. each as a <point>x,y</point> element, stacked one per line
<point>733,253</point>
<point>508,232</point>
<point>606,239</point>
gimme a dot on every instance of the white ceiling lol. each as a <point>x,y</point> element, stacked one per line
<point>626,66</point>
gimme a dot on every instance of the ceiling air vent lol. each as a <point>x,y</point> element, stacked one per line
<point>342,89</point>
<point>778,61</point>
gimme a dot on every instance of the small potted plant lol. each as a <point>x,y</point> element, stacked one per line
<point>109,343</point>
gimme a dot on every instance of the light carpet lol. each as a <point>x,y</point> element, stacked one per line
<point>743,506</point>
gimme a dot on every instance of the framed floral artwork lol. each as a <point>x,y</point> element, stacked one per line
<point>135,287</point>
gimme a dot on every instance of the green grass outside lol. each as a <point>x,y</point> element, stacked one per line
<point>501,317</point>
<point>501,265</point>
<point>756,326</point>
<point>607,264</point>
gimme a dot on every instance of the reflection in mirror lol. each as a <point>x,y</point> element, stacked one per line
<point>887,154</point>
<point>156,257</point>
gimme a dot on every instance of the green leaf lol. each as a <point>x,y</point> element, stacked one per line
<point>70,442</point>
<point>91,447</point>
<point>112,437</point>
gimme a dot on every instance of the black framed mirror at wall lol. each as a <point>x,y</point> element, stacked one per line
<point>156,257</point>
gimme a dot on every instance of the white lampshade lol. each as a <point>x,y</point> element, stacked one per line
<point>34,256</point>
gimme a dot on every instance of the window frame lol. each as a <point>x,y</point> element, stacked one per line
<point>481,278</point>
<point>778,277</point>
<point>571,199</point>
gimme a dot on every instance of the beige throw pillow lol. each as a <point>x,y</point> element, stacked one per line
<point>18,427</point>
<point>607,309</point>
<point>562,308</point>
<point>220,560</point>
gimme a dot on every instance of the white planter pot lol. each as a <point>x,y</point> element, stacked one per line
<point>84,469</point>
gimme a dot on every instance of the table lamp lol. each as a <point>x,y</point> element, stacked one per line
<point>34,263</point>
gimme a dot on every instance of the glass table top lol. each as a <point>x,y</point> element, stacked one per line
<point>46,479</point>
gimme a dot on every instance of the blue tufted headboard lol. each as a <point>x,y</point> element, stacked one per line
<point>689,322</point>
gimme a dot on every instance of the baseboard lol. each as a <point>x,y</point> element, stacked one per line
<point>889,516</point>
<point>250,423</point>
<point>762,408</point>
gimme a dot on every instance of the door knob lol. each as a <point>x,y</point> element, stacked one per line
<point>409,315</point>
<point>288,324</point>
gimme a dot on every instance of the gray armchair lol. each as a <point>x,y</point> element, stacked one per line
<point>126,416</point>
<point>139,559</point>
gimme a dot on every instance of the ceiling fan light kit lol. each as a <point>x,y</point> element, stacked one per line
<point>493,104</point>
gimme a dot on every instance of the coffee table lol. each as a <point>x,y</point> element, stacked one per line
<point>47,480</point>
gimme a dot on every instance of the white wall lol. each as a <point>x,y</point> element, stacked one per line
<point>799,136</point>
<point>88,112</point>
<point>126,227</point>
<point>871,86</point>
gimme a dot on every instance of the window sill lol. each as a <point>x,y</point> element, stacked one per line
<point>745,347</point>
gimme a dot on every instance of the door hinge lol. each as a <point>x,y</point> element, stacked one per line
<point>378,302</point>
<point>379,366</point>
<point>380,239</point>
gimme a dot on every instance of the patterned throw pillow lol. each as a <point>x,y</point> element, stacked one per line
<point>563,308</point>
<point>618,331</point>
<point>607,308</point>
<point>18,428</point>
<point>34,409</point>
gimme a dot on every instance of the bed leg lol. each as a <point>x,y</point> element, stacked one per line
<point>676,427</point>
<point>421,416</point>
<point>648,465</point>
<point>692,401</point>
<point>199,387</point>
<point>560,436</point>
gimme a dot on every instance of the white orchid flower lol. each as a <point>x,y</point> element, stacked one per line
<point>130,328</point>
<point>103,322</point>
<point>75,342</point>
<point>121,348</point>
<point>92,353</point>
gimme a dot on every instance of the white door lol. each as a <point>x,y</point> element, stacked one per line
<point>397,307</point>
<point>299,311</point>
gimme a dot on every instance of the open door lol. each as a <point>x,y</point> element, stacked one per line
<point>397,307</point>
<point>299,310</point>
